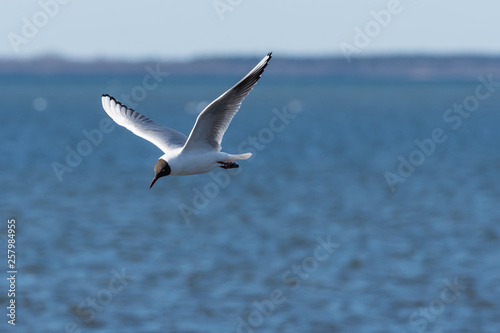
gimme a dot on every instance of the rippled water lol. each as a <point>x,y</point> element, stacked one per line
<point>307,236</point>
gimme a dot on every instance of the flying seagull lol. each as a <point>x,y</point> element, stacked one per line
<point>201,151</point>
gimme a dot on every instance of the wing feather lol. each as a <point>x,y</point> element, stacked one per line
<point>214,120</point>
<point>163,137</point>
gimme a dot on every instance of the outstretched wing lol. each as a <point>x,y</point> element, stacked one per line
<point>212,122</point>
<point>163,137</point>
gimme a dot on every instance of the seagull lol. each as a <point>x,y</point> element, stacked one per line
<point>201,151</point>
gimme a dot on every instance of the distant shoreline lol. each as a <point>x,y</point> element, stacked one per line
<point>418,68</point>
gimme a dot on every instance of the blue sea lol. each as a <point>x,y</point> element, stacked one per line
<point>368,206</point>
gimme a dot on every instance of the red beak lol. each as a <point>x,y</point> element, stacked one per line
<point>153,182</point>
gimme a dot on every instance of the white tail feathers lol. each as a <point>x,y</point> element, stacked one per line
<point>238,157</point>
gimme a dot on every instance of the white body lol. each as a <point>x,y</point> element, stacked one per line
<point>193,162</point>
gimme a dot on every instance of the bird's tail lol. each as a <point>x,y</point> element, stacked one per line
<point>239,157</point>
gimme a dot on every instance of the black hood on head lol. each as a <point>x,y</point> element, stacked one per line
<point>162,168</point>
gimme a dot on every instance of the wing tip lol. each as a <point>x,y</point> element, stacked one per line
<point>267,58</point>
<point>264,63</point>
<point>117,102</point>
<point>109,96</point>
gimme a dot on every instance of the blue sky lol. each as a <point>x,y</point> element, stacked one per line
<point>185,29</point>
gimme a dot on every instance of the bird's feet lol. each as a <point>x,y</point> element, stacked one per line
<point>228,165</point>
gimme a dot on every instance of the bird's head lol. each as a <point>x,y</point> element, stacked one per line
<point>161,169</point>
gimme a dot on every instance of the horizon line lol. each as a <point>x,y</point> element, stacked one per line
<point>286,56</point>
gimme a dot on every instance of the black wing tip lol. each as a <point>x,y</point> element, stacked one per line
<point>116,101</point>
<point>269,56</point>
